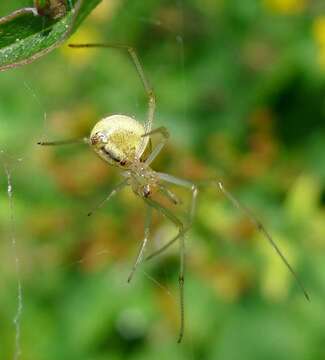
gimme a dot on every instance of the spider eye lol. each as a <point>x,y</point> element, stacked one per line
<point>98,138</point>
<point>146,191</point>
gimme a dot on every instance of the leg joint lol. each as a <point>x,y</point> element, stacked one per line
<point>194,189</point>
<point>152,97</point>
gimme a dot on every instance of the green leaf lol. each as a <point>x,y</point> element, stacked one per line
<point>27,37</point>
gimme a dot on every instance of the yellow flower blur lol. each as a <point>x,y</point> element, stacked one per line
<point>286,7</point>
<point>319,37</point>
<point>81,57</point>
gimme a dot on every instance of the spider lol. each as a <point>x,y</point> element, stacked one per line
<point>121,141</point>
<point>53,9</point>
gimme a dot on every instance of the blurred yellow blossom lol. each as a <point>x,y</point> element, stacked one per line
<point>105,11</point>
<point>88,34</point>
<point>319,30</point>
<point>81,57</point>
<point>215,216</point>
<point>286,7</point>
<point>319,37</point>
<point>302,200</point>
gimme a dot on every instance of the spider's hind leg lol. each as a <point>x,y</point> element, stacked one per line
<point>180,236</point>
<point>195,191</point>
<point>139,257</point>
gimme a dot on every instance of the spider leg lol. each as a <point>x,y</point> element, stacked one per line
<point>183,183</point>
<point>261,228</point>
<point>139,257</point>
<point>167,245</point>
<point>113,192</point>
<point>64,142</point>
<point>189,185</point>
<point>147,87</point>
<point>169,194</point>
<point>165,134</point>
<point>169,215</point>
<point>238,205</point>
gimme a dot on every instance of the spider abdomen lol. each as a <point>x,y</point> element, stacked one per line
<point>118,140</point>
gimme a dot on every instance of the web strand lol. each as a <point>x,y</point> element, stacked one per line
<point>13,240</point>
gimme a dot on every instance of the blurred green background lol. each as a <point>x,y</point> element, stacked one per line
<point>241,87</point>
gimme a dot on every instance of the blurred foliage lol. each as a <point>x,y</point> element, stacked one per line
<point>241,87</point>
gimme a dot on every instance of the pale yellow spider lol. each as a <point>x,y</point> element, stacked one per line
<point>121,141</point>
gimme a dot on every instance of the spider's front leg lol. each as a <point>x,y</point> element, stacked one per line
<point>145,82</point>
<point>84,140</point>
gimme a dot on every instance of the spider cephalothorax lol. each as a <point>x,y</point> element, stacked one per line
<point>121,141</point>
